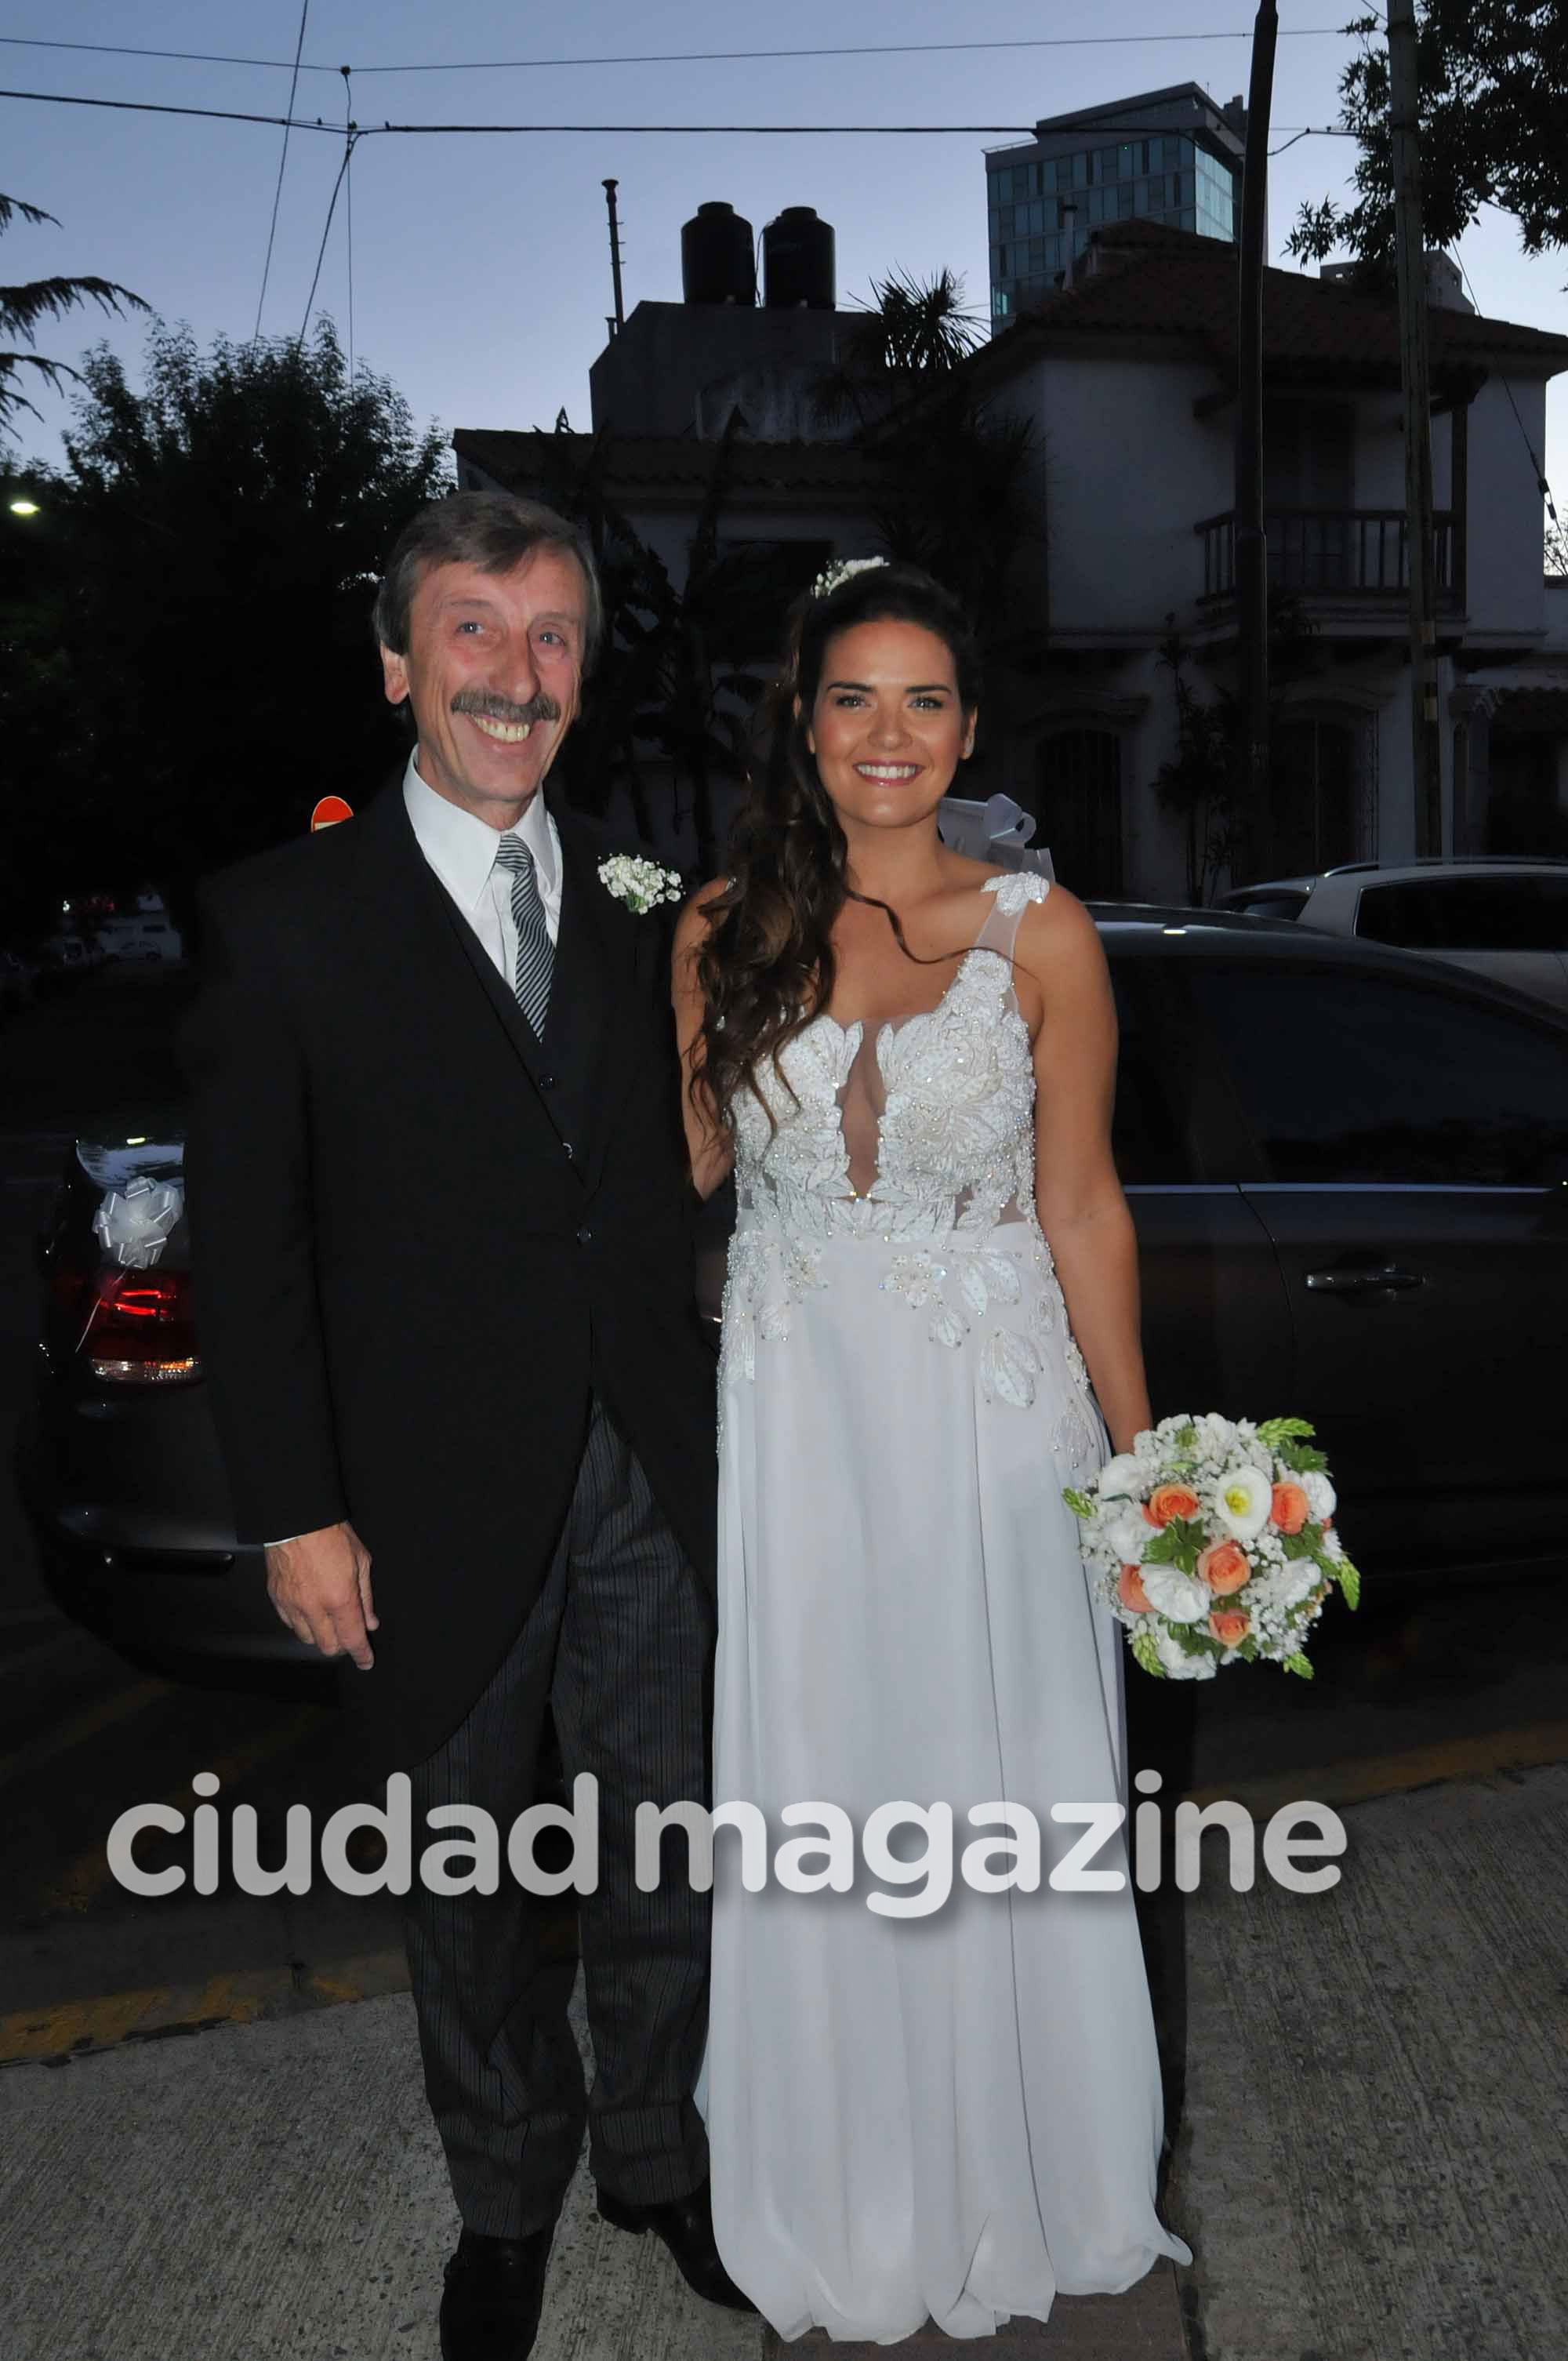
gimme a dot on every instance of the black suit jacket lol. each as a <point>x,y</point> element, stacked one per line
<point>422,1238</point>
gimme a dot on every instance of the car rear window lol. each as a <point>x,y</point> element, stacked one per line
<point>1467,914</point>
<point>1350,1077</point>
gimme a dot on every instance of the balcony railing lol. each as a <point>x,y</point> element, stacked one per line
<point>1336,553</point>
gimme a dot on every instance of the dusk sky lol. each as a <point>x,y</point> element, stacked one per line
<point>481,276</point>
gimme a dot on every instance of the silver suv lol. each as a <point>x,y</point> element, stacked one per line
<point>1500,917</point>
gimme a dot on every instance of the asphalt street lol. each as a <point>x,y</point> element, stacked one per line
<point>215,2141</point>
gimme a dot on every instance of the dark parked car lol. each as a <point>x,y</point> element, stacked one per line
<point>1349,1171</point>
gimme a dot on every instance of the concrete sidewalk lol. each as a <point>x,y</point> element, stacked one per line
<point>277,2189</point>
<point>1370,2169</point>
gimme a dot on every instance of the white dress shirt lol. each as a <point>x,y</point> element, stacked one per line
<point>461,851</point>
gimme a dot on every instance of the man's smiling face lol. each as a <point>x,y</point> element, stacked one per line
<point>493,673</point>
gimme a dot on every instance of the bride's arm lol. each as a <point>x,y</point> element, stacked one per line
<point>1078,1197</point>
<point>708,1144</point>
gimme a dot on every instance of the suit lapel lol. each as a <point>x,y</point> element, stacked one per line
<point>586,1026</point>
<point>406,895</point>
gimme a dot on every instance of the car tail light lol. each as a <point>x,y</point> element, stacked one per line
<point>135,1325</point>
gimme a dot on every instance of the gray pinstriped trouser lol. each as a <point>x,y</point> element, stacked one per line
<point>619,1643</point>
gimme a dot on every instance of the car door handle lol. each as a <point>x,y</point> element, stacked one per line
<point>1389,1279</point>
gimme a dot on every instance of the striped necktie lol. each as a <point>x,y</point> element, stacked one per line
<point>531,980</point>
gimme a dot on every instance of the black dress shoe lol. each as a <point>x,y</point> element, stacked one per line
<point>685,2225</point>
<point>495,2287</point>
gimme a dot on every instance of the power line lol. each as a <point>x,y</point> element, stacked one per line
<point>326,233</point>
<point>683,57</point>
<point>153,106</point>
<point>348,204</point>
<point>1116,130</point>
<point>278,192</point>
<point>368,130</point>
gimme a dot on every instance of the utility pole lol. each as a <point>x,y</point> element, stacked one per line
<point>609,189</point>
<point>1250,549</point>
<point>1409,252</point>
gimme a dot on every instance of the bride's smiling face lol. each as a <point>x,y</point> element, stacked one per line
<point>887,727</point>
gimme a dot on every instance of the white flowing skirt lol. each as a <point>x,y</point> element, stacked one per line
<point>957,2114</point>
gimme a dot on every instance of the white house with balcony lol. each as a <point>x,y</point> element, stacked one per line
<point>1129,378</point>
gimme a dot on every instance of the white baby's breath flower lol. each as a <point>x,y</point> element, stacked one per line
<point>640,884</point>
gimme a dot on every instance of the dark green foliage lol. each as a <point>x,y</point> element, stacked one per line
<point>196,659</point>
<point>1493,76</point>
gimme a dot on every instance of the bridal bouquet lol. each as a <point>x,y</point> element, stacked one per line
<point>1214,1541</point>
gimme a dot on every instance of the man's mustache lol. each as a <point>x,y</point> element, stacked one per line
<point>484,705</point>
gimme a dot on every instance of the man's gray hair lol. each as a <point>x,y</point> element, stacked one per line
<point>495,531</point>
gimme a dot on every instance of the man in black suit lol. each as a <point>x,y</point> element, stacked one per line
<point>442,1261</point>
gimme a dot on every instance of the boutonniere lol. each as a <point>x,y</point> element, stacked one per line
<point>640,884</point>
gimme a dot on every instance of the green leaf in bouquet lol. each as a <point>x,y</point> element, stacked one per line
<point>1194,1644</point>
<point>1180,1544</point>
<point>1146,1654</point>
<point>1348,1579</point>
<point>1299,1664</point>
<point>1301,1458</point>
<point>1276,1431</point>
<point>1080,1503</point>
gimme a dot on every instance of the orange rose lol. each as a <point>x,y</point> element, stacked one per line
<point>1131,1592</point>
<point>1169,1501</point>
<point>1229,1625</point>
<point>1289,1508</point>
<point>1224,1568</point>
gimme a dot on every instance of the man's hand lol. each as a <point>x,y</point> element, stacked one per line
<point>319,1583</point>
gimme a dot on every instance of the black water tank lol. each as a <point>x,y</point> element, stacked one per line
<point>717,257</point>
<point>798,263</point>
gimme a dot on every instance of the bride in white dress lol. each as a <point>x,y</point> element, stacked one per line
<point>955,2115</point>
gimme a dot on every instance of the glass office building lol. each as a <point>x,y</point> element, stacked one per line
<point>1076,173</point>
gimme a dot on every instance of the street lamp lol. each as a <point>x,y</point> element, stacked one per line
<point>24,508</point>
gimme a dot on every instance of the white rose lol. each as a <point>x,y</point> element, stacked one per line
<point>1243,1496</point>
<point>1179,1664</point>
<point>1180,1597</point>
<point>1321,1496</point>
<point>1121,1476</point>
<point>1297,1581</point>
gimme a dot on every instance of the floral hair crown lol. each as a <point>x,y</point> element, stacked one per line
<point>843,570</point>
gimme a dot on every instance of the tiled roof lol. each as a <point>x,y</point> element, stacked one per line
<point>669,462</point>
<point>1148,281</point>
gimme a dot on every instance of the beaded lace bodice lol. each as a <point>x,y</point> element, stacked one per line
<point>921,1139</point>
<point>923,1130</point>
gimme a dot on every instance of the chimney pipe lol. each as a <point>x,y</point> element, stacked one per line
<point>609,189</point>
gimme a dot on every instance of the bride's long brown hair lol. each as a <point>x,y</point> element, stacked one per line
<point>766,967</point>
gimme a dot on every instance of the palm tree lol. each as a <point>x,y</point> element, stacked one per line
<point>953,482</point>
<point>21,309</point>
<point>907,335</point>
